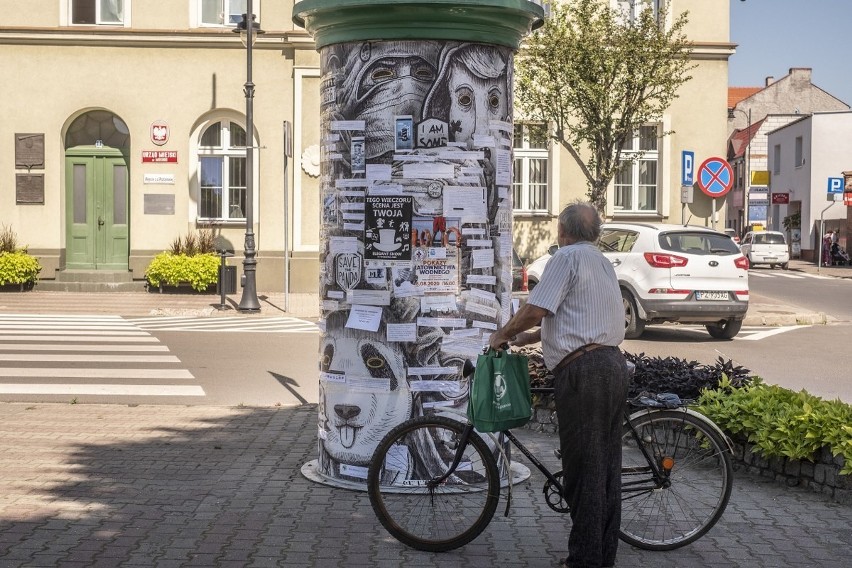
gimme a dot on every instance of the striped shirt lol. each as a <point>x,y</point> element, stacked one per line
<point>580,291</point>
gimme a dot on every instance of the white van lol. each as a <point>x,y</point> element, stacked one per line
<point>766,247</point>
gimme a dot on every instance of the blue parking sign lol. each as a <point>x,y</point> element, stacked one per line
<point>687,163</point>
<point>835,185</point>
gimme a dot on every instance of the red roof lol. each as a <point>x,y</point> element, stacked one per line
<point>736,94</point>
<point>738,142</point>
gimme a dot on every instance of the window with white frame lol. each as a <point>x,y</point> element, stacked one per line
<point>99,12</point>
<point>219,13</point>
<point>636,185</point>
<point>222,172</point>
<point>630,10</point>
<point>529,185</point>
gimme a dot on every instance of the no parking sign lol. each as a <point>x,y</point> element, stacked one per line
<point>715,177</point>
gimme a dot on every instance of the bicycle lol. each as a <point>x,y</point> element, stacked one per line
<point>676,478</point>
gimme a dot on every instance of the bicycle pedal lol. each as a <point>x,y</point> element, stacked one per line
<point>558,453</point>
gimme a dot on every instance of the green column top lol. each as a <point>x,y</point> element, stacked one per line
<point>500,22</point>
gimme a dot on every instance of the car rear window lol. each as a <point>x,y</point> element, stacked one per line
<point>768,239</point>
<point>698,242</point>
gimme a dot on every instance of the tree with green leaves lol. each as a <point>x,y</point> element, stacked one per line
<point>596,74</point>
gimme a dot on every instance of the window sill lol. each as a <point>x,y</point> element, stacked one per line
<point>643,214</point>
<point>527,213</point>
<point>222,222</point>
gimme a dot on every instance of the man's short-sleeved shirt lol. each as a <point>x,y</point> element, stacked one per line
<point>580,291</point>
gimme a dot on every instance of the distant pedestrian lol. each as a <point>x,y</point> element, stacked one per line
<point>835,236</point>
<point>826,249</point>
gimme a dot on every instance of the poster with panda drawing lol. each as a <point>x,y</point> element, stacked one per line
<point>422,135</point>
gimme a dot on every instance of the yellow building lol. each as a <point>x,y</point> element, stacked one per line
<point>124,129</point>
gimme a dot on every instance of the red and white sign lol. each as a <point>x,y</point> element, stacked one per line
<point>159,132</point>
<point>163,156</point>
<point>780,198</point>
<point>847,199</point>
<point>715,177</point>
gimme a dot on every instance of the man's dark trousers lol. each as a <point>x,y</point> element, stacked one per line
<point>590,398</point>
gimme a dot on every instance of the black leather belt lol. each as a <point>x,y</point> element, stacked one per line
<point>576,354</point>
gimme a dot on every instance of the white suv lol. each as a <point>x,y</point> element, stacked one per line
<point>672,273</point>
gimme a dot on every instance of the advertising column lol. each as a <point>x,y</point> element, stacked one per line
<point>416,189</point>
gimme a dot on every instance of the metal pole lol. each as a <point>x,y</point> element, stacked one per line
<point>249,301</point>
<point>747,187</point>
<point>288,151</point>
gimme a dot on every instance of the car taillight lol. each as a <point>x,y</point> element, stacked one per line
<point>741,262</point>
<point>664,260</point>
<point>525,283</point>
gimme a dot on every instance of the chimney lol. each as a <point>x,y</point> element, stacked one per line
<point>801,74</point>
<point>769,80</point>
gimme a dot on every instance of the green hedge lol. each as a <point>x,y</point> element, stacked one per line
<point>780,422</point>
<point>18,267</point>
<point>200,271</point>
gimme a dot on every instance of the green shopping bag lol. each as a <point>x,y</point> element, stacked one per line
<point>500,395</point>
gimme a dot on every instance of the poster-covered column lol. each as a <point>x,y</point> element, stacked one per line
<point>416,190</point>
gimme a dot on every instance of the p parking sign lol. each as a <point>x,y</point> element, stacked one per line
<point>687,168</point>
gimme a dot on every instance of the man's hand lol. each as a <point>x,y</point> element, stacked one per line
<point>498,340</point>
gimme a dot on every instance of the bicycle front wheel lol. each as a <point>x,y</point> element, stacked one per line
<point>671,512</point>
<point>411,505</point>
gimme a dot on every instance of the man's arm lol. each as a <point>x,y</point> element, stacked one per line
<point>528,316</point>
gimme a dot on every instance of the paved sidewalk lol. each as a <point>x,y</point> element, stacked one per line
<point>109,485</point>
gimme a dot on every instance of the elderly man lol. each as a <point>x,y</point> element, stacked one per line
<point>578,305</point>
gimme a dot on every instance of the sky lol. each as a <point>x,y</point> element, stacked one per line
<point>775,35</point>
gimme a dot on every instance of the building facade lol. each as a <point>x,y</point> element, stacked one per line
<point>803,155</point>
<point>752,114</point>
<point>125,130</point>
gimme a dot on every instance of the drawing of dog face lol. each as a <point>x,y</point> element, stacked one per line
<point>375,398</point>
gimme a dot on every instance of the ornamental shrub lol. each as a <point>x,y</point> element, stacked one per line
<point>18,267</point>
<point>200,271</point>
<point>780,422</point>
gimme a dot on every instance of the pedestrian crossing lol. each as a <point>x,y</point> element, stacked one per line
<point>787,274</point>
<point>92,356</point>
<point>244,324</point>
<point>746,333</point>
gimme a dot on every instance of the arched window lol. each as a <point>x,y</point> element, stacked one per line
<point>222,172</point>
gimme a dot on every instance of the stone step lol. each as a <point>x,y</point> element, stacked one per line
<point>97,276</point>
<point>59,286</point>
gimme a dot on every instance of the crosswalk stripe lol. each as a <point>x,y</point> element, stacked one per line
<point>92,358</point>
<point>96,348</point>
<point>753,274</point>
<point>788,275</point>
<point>102,390</point>
<point>140,338</point>
<point>137,333</point>
<point>226,324</point>
<point>68,326</point>
<point>94,373</point>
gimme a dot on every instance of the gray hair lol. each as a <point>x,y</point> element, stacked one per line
<point>581,221</point>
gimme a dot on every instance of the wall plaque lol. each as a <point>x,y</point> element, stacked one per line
<point>159,204</point>
<point>29,188</point>
<point>29,151</point>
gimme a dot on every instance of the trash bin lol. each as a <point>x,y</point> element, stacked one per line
<point>228,279</point>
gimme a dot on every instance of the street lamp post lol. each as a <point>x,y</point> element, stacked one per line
<point>248,30</point>
<point>747,180</point>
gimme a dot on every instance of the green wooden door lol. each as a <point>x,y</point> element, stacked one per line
<point>96,209</point>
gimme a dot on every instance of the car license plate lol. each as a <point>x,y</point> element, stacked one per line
<point>770,258</point>
<point>711,296</point>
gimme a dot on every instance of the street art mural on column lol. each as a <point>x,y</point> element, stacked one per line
<point>415,274</point>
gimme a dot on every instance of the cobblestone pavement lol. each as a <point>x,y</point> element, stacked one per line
<point>110,485</point>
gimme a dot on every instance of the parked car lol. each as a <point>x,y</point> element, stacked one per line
<point>733,234</point>
<point>672,273</point>
<point>766,247</point>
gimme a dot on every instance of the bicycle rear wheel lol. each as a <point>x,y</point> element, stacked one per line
<point>419,513</point>
<point>695,490</point>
